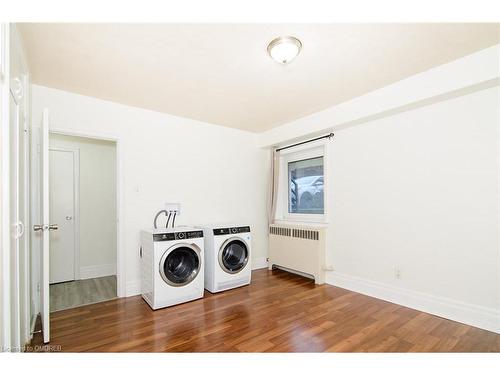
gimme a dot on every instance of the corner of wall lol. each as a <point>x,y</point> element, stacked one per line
<point>259,263</point>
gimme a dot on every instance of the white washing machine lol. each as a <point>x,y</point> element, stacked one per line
<point>227,257</point>
<point>172,265</point>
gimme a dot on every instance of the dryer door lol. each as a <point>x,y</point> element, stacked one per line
<point>180,264</point>
<point>233,255</point>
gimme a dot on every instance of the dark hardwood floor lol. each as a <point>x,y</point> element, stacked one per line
<point>278,312</point>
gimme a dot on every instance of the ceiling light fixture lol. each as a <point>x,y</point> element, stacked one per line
<point>284,49</point>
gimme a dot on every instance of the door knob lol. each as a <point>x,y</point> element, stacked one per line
<point>69,217</point>
<point>45,227</point>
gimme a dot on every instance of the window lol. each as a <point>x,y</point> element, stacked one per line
<point>302,194</point>
<point>306,186</point>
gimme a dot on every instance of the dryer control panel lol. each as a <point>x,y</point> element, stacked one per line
<point>177,235</point>
<point>233,230</point>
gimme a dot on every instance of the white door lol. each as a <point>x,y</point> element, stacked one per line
<point>23,221</point>
<point>62,208</point>
<point>16,231</point>
<point>45,227</point>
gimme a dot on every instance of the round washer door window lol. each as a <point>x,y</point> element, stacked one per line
<point>233,256</point>
<point>179,266</point>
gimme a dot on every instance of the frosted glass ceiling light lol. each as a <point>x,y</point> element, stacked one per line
<point>284,49</point>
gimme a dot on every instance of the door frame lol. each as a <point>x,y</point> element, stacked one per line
<point>11,47</point>
<point>15,253</point>
<point>5,187</point>
<point>76,204</point>
<point>120,250</point>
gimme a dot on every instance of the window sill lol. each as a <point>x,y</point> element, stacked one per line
<point>303,222</point>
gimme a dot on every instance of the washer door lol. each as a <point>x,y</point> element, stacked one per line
<point>233,255</point>
<point>180,264</point>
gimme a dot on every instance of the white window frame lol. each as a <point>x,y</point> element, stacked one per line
<point>307,151</point>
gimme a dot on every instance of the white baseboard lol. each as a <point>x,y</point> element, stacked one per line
<point>101,270</point>
<point>133,288</point>
<point>474,315</point>
<point>259,263</point>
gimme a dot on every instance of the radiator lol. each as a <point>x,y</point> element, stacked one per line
<point>298,248</point>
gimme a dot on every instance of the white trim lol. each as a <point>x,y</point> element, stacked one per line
<point>133,288</point>
<point>15,248</point>
<point>76,205</point>
<point>5,193</point>
<point>76,213</point>
<point>100,270</point>
<point>498,217</point>
<point>322,224</point>
<point>474,315</point>
<point>45,256</point>
<point>498,212</point>
<point>121,285</point>
<point>35,203</point>
<point>27,213</point>
<point>259,263</point>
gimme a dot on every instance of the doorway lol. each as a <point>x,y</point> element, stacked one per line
<point>82,196</point>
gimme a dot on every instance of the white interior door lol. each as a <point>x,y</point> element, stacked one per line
<point>23,221</point>
<point>62,208</point>
<point>16,230</point>
<point>45,227</point>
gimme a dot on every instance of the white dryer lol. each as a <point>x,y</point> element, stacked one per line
<point>172,264</point>
<point>227,257</point>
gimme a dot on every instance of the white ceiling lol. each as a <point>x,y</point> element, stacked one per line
<point>221,73</point>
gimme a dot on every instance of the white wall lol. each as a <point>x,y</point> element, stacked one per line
<point>97,203</point>
<point>418,191</point>
<point>414,186</point>
<point>218,174</point>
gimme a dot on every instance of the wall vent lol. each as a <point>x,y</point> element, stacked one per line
<point>280,231</point>
<point>298,248</point>
<point>306,234</point>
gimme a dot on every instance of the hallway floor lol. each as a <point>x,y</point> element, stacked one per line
<point>82,292</point>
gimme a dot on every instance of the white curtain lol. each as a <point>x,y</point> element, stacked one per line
<point>273,184</point>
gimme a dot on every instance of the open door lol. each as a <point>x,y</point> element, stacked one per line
<point>45,227</point>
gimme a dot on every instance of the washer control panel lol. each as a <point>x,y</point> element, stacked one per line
<point>177,235</point>
<point>233,230</point>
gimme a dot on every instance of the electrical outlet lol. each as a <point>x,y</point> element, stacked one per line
<point>397,273</point>
<point>171,207</point>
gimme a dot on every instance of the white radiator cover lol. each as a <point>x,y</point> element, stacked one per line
<point>298,248</point>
